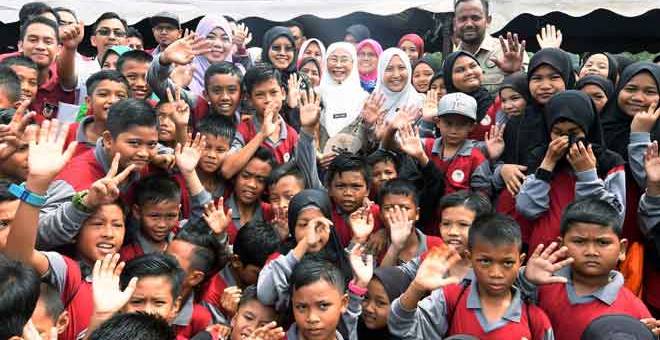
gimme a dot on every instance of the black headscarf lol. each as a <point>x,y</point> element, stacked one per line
<point>616,327</point>
<point>616,123</point>
<point>482,96</point>
<point>604,83</point>
<point>359,32</point>
<point>517,82</point>
<point>393,279</point>
<point>269,37</point>
<point>556,59</point>
<point>577,107</point>
<point>622,62</point>
<point>612,65</point>
<point>433,61</point>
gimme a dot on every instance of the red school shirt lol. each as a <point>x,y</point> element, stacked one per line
<point>282,149</point>
<point>483,126</point>
<point>343,228</point>
<point>458,170</point>
<point>49,96</point>
<point>192,319</point>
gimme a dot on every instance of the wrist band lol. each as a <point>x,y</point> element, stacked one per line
<point>77,201</point>
<point>357,290</point>
<point>27,196</point>
<point>543,175</point>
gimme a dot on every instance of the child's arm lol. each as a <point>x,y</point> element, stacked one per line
<point>414,316</point>
<point>480,179</point>
<point>640,138</point>
<point>649,205</point>
<point>363,270</point>
<point>429,113</point>
<point>181,115</point>
<point>187,157</point>
<point>310,107</point>
<point>70,38</point>
<point>612,190</point>
<point>541,267</point>
<point>45,160</point>
<point>400,230</point>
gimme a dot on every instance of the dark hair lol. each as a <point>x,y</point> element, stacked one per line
<point>265,155</point>
<point>345,162</point>
<point>208,251</point>
<point>594,211</point>
<point>5,195</point>
<point>153,265</point>
<point>248,294</point>
<point>286,169</point>
<point>20,60</point>
<point>496,229</point>
<point>400,187</point>
<point>382,155</point>
<point>50,297</point>
<point>255,242</point>
<point>95,79</point>
<point>224,67</point>
<point>10,84</point>
<point>311,270</point>
<point>64,9</point>
<point>294,23</point>
<point>468,199</point>
<point>484,4</point>
<point>19,292</point>
<point>218,125</point>
<point>128,113</point>
<point>108,16</point>
<point>34,9</point>
<point>39,20</point>
<point>157,189</point>
<point>139,56</point>
<point>132,32</point>
<point>141,326</point>
<point>260,73</point>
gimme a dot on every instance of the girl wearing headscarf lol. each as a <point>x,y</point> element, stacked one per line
<point>387,284</point>
<point>514,93</point>
<point>599,88</point>
<point>394,73</point>
<point>341,93</point>
<point>438,83</point>
<point>311,68</point>
<point>279,50</point>
<point>311,48</point>
<point>423,71</point>
<point>368,52</point>
<point>413,45</point>
<point>603,64</point>
<point>216,28</point>
<point>562,171</point>
<point>462,73</point>
<point>356,33</point>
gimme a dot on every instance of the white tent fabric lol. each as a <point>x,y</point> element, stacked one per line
<point>502,11</point>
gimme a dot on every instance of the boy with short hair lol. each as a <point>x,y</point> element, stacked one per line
<point>28,73</point>
<point>134,65</point>
<point>586,285</point>
<point>10,90</point>
<point>49,311</point>
<point>251,314</point>
<point>133,326</point>
<point>219,132</point>
<point>383,166</point>
<point>485,304</point>
<point>19,295</point>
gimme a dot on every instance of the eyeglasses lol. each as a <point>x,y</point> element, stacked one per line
<point>338,61</point>
<point>165,28</point>
<point>364,55</point>
<point>281,48</point>
<point>106,32</point>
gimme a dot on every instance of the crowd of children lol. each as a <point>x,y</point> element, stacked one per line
<point>209,189</point>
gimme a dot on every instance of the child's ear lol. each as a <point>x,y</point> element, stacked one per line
<point>175,309</point>
<point>468,254</point>
<point>107,139</point>
<point>344,303</point>
<point>235,262</point>
<point>205,95</point>
<point>20,46</point>
<point>522,257</point>
<point>136,210</point>
<point>417,214</point>
<point>62,322</point>
<point>88,101</point>
<point>195,278</point>
<point>624,249</point>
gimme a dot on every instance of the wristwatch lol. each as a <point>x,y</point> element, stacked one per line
<point>27,196</point>
<point>77,201</point>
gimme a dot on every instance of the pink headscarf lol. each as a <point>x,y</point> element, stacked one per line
<point>200,63</point>
<point>373,75</point>
<point>416,40</point>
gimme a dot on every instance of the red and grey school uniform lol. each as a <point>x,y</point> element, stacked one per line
<point>457,309</point>
<point>649,218</point>
<point>212,297</point>
<point>193,318</point>
<point>570,314</point>
<point>342,226</point>
<point>263,212</point>
<point>468,169</point>
<point>282,148</point>
<point>77,133</point>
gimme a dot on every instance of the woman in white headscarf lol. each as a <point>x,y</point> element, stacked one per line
<point>394,73</point>
<point>341,92</point>
<point>311,48</point>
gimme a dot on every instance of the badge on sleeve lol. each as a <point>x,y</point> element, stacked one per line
<point>458,176</point>
<point>486,121</point>
<point>286,157</point>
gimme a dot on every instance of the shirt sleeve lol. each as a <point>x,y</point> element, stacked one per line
<point>57,270</point>
<point>59,220</point>
<point>612,190</point>
<point>198,202</point>
<point>411,267</point>
<point>533,198</point>
<point>350,317</point>
<point>273,282</point>
<point>481,177</point>
<point>639,141</point>
<point>237,143</point>
<point>427,321</point>
<point>306,160</point>
<point>649,214</point>
<point>158,78</point>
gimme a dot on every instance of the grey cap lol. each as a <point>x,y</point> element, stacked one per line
<point>167,17</point>
<point>458,103</point>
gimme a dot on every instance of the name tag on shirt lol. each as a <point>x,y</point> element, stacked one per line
<point>339,115</point>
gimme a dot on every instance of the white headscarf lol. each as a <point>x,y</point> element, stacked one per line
<point>304,47</point>
<point>342,103</point>
<point>396,100</point>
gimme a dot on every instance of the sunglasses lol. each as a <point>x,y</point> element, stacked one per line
<point>106,32</point>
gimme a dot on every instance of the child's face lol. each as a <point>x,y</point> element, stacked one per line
<point>7,214</point>
<point>136,74</point>
<point>495,266</point>
<point>595,249</point>
<point>597,95</point>
<point>135,43</point>
<point>566,128</point>
<point>544,83</point>
<point>422,77</point>
<point>214,153</point>
<point>513,103</point>
<point>439,85</point>
<point>153,295</point>
<point>101,234</point>
<point>250,316</point>
<point>382,172</point>
<point>266,93</point>
<point>375,306</point>
<point>301,228</point>
<point>454,227</point>
<point>29,81</point>
<point>16,165</point>
<point>183,252</point>
<point>466,74</point>
<point>251,181</point>
<point>106,93</point>
<point>454,128</point>
<point>224,93</point>
<point>137,145</point>
<point>110,62</point>
<point>43,322</point>
<point>317,309</point>
<point>404,202</point>
<point>348,190</point>
<point>157,218</point>
<point>597,64</point>
<point>312,72</point>
<point>283,190</point>
<point>396,75</point>
<point>281,53</point>
<point>166,127</point>
<point>247,274</point>
<point>638,94</point>
<point>40,44</point>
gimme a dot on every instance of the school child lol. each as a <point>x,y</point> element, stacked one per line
<point>218,131</point>
<point>28,73</point>
<point>134,65</point>
<point>515,96</point>
<point>49,311</point>
<point>387,284</point>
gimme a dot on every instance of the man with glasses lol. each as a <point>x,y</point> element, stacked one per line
<point>108,30</point>
<point>166,29</point>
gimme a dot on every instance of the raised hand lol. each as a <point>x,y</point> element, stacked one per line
<point>271,119</point>
<point>652,169</point>
<point>183,50</point>
<point>45,156</point>
<point>106,189</point>
<point>400,226</point>
<point>495,141</point>
<point>188,156</point>
<point>652,324</point>
<point>269,331</point>
<point>362,264</point>
<point>241,35</point>
<point>72,35</point>
<point>326,158</point>
<point>644,121</point>
<point>229,300</point>
<point>374,108</point>
<point>513,54</point>
<point>410,143</point>
<point>513,177</point>
<point>293,96</point>
<point>543,263</point>
<point>549,36</point>
<point>107,296</point>
<point>280,222</point>
<point>430,108</point>
<point>219,331</point>
<point>164,161</point>
<point>216,218</point>
<point>581,158</point>
<point>317,230</point>
<point>362,224</point>
<point>310,108</point>
<point>181,109</point>
<point>432,273</point>
<point>11,134</point>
